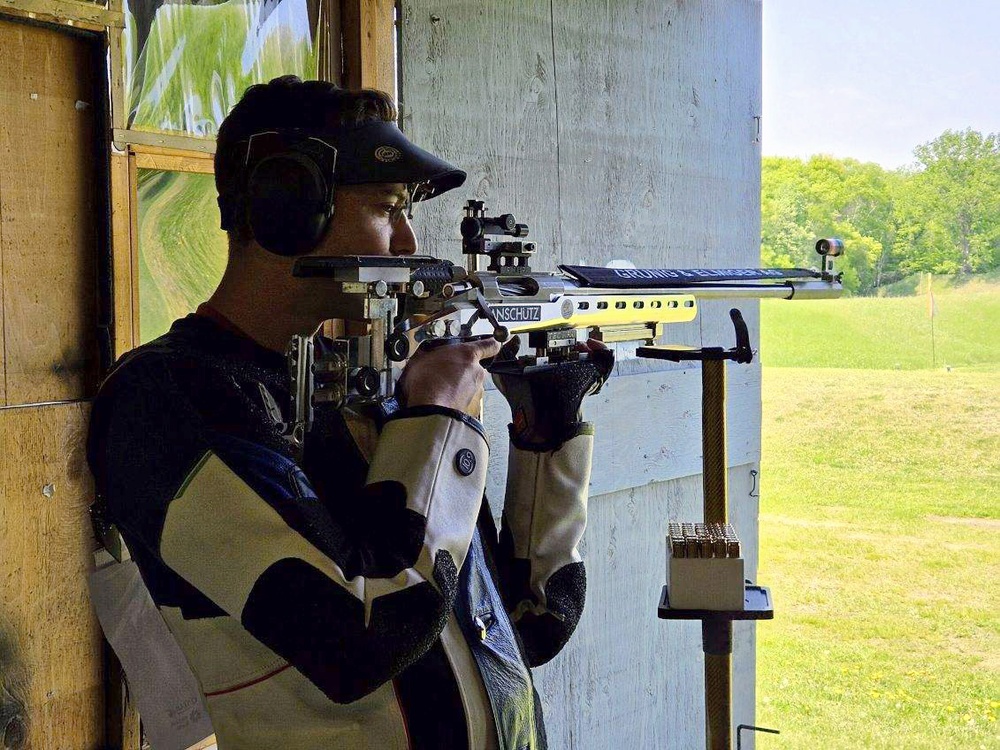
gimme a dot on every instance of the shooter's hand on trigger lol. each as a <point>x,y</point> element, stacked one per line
<point>449,376</point>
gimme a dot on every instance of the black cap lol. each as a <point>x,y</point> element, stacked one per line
<point>370,152</point>
<point>379,152</point>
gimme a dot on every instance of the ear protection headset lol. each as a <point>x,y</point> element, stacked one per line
<point>286,194</point>
<point>285,189</point>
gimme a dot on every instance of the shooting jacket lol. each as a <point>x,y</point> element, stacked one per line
<point>357,595</point>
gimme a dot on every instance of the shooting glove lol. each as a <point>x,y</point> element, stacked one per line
<point>545,400</point>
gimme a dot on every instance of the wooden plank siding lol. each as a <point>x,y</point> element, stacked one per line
<point>51,207</point>
<point>50,643</point>
<point>616,132</point>
<point>52,212</point>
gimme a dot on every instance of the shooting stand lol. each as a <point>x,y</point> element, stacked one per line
<point>716,626</point>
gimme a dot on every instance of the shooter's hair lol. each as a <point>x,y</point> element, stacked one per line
<point>285,103</point>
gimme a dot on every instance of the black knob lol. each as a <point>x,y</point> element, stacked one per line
<point>397,347</point>
<point>365,381</point>
<point>471,228</point>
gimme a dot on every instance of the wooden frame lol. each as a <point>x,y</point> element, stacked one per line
<point>126,254</point>
<point>83,15</point>
<point>171,159</point>
<point>147,139</point>
<point>369,32</point>
<point>366,46</point>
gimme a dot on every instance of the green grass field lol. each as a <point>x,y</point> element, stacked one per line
<point>885,332</point>
<point>880,525</point>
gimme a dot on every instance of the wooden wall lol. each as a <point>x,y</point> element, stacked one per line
<point>615,131</point>
<point>51,208</point>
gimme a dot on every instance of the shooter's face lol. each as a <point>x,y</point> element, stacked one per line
<point>369,220</point>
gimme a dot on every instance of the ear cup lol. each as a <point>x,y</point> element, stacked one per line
<point>288,203</point>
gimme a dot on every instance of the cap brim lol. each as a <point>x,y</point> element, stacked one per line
<point>376,152</point>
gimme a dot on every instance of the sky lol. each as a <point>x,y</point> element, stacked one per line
<point>872,79</point>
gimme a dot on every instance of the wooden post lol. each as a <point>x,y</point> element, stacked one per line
<point>717,635</point>
<point>121,253</point>
<point>368,32</point>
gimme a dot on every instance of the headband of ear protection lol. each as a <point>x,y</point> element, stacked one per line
<point>285,193</point>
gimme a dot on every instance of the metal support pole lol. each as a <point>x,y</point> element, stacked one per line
<point>716,626</point>
<point>717,636</point>
<point>713,438</point>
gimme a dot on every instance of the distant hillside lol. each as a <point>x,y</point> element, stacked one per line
<point>880,333</point>
<point>941,216</point>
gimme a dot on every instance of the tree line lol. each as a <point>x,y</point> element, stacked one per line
<point>940,215</point>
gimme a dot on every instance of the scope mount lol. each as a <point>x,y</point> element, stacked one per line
<point>507,257</point>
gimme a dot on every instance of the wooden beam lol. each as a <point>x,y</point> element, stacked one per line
<point>140,138</point>
<point>50,127</point>
<point>330,44</point>
<point>116,80</point>
<point>3,308</point>
<point>52,640</point>
<point>133,215</point>
<point>121,254</point>
<point>173,160</point>
<point>83,15</point>
<point>369,34</point>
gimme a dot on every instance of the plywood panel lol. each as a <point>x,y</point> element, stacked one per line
<point>478,88</point>
<point>49,634</point>
<point>50,203</point>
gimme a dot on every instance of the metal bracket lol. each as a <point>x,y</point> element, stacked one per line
<point>752,728</point>
<point>741,353</point>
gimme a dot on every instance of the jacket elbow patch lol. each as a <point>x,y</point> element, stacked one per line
<point>545,630</point>
<point>320,628</point>
<point>545,512</point>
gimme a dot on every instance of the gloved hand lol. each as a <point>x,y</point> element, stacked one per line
<point>545,400</point>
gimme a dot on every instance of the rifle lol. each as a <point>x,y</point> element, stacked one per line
<point>413,301</point>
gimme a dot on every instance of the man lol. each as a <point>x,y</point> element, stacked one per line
<point>357,595</point>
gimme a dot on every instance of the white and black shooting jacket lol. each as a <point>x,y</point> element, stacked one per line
<point>357,597</point>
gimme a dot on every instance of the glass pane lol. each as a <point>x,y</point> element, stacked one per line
<point>182,251</point>
<point>187,63</point>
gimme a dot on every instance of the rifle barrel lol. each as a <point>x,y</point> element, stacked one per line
<point>784,290</point>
